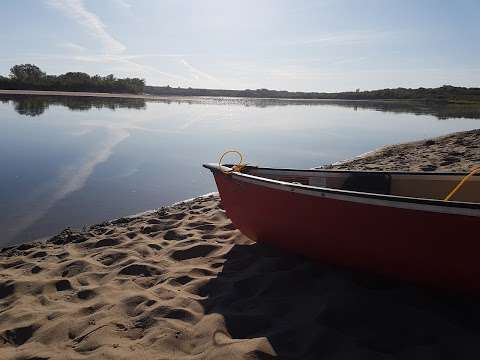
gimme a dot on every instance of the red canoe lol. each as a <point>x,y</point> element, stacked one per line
<point>393,223</point>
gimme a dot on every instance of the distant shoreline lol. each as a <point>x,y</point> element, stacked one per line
<point>78,93</point>
<point>158,97</point>
<point>174,97</point>
<point>162,97</point>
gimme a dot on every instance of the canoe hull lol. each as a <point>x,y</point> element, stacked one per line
<point>426,247</point>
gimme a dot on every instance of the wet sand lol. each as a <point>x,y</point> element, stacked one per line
<point>182,283</point>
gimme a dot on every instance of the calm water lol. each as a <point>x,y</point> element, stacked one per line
<point>77,161</point>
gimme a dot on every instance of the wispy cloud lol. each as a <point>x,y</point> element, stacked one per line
<point>118,63</point>
<point>72,47</point>
<point>349,60</point>
<point>142,56</point>
<point>114,50</point>
<point>325,61</point>
<point>76,10</point>
<point>349,38</point>
<point>122,3</point>
<point>196,73</point>
<point>127,65</point>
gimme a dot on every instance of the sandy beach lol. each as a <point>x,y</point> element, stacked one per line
<point>454,152</point>
<point>182,283</point>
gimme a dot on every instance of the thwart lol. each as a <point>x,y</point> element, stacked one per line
<point>393,223</point>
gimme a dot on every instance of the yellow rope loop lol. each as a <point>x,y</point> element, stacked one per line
<point>460,184</point>
<point>237,167</point>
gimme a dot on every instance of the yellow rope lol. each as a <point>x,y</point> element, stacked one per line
<point>460,184</point>
<point>237,167</point>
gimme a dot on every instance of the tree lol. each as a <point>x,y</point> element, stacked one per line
<point>30,77</point>
<point>26,72</point>
<point>75,76</point>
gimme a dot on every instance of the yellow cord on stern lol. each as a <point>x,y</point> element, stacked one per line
<point>460,184</point>
<point>235,168</point>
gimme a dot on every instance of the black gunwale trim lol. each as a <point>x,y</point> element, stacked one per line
<point>356,171</point>
<point>348,193</point>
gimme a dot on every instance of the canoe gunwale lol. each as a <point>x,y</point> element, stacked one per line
<point>412,203</point>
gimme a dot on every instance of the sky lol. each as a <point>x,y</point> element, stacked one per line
<point>297,45</point>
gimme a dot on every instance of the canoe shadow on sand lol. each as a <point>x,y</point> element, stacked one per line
<point>313,311</point>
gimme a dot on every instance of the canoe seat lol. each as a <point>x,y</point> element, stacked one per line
<point>376,183</point>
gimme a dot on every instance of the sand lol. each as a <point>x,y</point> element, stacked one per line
<point>131,288</point>
<point>454,152</point>
<point>182,283</point>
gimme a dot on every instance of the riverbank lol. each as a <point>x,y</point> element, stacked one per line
<point>454,103</point>
<point>170,97</point>
<point>182,282</point>
<point>79,93</point>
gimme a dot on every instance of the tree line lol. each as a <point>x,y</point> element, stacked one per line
<point>31,77</point>
<point>444,93</point>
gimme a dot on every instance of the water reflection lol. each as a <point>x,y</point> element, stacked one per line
<point>36,105</point>
<point>440,110</point>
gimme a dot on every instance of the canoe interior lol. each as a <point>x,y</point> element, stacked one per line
<point>417,185</point>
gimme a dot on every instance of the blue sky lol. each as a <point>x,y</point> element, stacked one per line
<point>312,45</point>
